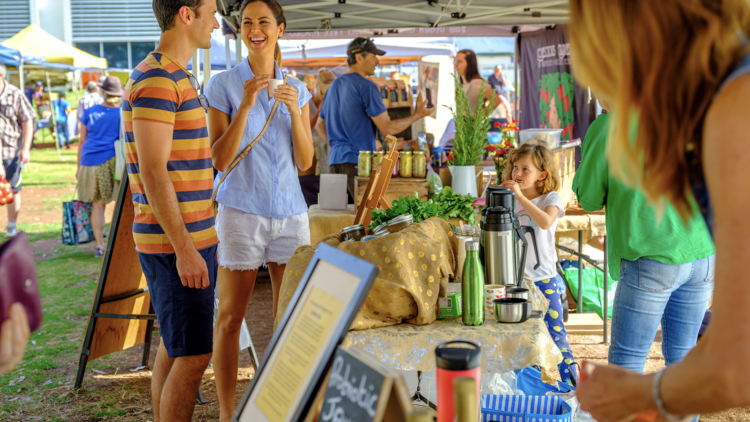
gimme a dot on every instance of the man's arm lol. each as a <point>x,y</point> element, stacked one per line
<point>386,126</point>
<point>591,182</point>
<point>26,116</point>
<point>321,127</point>
<point>153,141</point>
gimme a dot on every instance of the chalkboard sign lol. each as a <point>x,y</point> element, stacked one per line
<point>362,389</point>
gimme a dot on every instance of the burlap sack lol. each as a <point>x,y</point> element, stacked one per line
<point>415,265</point>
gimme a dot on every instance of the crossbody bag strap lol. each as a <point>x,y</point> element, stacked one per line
<point>247,148</point>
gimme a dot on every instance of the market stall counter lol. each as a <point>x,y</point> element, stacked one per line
<point>398,322</point>
<point>505,347</point>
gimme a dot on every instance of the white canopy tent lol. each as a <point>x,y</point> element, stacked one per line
<point>426,16</point>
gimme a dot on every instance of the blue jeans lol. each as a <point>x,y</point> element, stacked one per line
<point>650,293</point>
<point>62,132</point>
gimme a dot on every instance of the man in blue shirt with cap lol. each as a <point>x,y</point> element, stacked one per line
<point>353,109</point>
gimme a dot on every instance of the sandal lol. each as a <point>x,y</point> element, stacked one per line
<point>99,253</point>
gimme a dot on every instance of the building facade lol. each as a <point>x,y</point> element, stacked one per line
<point>122,31</point>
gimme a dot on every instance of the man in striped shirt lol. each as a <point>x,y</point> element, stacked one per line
<point>171,178</point>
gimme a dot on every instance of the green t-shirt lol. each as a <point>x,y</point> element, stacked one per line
<point>632,228</point>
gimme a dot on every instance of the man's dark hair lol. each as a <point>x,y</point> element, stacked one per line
<point>351,59</point>
<point>166,10</point>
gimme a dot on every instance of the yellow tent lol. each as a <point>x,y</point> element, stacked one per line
<point>35,40</point>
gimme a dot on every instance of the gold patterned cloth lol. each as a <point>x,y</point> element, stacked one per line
<point>505,347</point>
<point>414,267</point>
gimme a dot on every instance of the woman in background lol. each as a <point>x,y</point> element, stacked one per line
<point>475,87</point>
<point>100,128</point>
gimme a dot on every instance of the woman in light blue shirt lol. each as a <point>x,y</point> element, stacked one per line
<point>262,216</point>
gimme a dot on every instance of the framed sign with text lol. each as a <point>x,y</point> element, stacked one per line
<point>300,353</point>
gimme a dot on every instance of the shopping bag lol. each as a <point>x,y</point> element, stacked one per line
<point>593,289</point>
<point>76,228</point>
<point>120,151</point>
<point>119,159</point>
<point>506,408</point>
<point>529,380</point>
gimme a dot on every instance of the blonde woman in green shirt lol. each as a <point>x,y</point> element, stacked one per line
<point>665,269</point>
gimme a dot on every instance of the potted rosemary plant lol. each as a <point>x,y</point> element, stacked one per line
<point>469,144</point>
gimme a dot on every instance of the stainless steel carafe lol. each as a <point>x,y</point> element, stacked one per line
<point>503,240</point>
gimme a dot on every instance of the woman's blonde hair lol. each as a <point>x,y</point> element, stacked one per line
<point>659,64</point>
<point>543,160</point>
<point>112,100</point>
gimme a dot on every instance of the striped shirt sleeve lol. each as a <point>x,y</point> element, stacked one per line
<point>155,97</point>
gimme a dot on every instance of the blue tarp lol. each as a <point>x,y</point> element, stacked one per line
<point>487,46</point>
<point>13,57</point>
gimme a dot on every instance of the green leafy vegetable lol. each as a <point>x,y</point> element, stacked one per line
<point>445,205</point>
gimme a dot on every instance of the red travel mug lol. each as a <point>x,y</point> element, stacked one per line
<point>455,359</point>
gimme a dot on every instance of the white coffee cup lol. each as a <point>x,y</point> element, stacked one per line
<point>273,84</point>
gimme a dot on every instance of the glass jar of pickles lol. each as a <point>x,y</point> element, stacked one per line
<point>420,164</point>
<point>364,164</point>
<point>406,163</point>
<point>377,157</point>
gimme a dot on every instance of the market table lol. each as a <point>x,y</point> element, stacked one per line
<point>327,222</point>
<point>505,347</point>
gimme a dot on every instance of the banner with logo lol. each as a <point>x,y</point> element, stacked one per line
<point>550,96</point>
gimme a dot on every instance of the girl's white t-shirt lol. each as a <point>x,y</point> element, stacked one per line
<point>545,239</point>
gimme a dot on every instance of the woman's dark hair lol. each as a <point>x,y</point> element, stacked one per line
<point>472,69</point>
<point>166,10</point>
<point>278,14</point>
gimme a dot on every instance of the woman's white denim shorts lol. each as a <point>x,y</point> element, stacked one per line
<point>246,241</point>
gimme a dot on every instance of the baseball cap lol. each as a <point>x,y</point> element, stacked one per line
<point>38,83</point>
<point>359,45</point>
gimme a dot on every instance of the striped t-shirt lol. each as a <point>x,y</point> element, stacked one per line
<point>159,90</point>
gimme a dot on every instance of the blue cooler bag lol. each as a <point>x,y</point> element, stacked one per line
<point>525,409</point>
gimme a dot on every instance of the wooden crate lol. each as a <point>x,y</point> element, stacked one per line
<point>399,186</point>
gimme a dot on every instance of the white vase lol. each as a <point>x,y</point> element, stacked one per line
<point>465,180</point>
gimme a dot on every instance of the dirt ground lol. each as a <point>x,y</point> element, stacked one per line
<point>136,398</point>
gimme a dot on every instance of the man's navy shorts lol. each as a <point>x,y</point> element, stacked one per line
<point>185,315</point>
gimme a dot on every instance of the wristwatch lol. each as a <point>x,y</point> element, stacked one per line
<point>660,405</point>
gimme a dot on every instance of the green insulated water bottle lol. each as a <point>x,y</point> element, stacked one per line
<point>472,286</point>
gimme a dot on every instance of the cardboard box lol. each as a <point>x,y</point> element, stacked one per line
<point>450,307</point>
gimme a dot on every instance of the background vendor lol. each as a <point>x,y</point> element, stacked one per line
<point>353,109</point>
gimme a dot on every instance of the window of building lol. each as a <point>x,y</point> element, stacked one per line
<point>139,51</point>
<point>89,47</point>
<point>116,54</point>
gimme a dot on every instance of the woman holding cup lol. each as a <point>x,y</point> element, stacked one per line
<point>262,216</point>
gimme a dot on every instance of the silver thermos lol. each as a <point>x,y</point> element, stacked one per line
<point>503,240</point>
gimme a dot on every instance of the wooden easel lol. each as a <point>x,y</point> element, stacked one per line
<point>377,186</point>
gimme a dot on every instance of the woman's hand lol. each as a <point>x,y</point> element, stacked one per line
<point>613,394</point>
<point>250,90</point>
<point>287,94</point>
<point>14,334</point>
<point>513,186</point>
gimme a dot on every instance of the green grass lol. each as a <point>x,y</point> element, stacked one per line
<point>47,170</point>
<point>67,283</point>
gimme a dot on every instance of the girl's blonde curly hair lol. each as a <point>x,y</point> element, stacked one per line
<point>543,160</point>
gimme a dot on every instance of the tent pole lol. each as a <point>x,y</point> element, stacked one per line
<point>238,48</point>
<point>54,120</point>
<point>206,66</point>
<point>515,77</point>
<point>20,76</point>
<point>228,51</point>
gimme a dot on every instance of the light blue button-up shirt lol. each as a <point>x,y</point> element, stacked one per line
<point>265,182</point>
